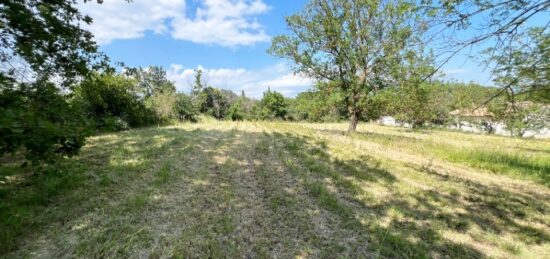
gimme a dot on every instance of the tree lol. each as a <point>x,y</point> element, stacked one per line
<point>151,81</point>
<point>110,101</point>
<point>523,116</point>
<point>526,70</point>
<point>40,40</point>
<point>461,24</point>
<point>413,104</point>
<point>164,105</point>
<point>236,111</point>
<point>319,104</point>
<point>350,42</point>
<point>213,102</point>
<point>272,106</point>
<point>158,92</point>
<point>46,36</point>
<point>185,109</point>
<point>37,119</point>
<point>198,85</point>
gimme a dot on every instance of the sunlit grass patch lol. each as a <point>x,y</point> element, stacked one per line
<point>276,189</point>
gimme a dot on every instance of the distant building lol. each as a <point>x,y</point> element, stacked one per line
<point>474,115</point>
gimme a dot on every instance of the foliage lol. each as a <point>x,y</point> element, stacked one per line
<point>236,111</point>
<point>271,106</point>
<point>38,120</point>
<point>109,95</point>
<point>198,86</point>
<point>46,35</point>
<point>321,104</point>
<point>151,81</point>
<point>350,42</point>
<point>526,69</point>
<point>213,102</point>
<point>40,40</point>
<point>461,24</point>
<point>184,108</point>
<point>520,117</point>
<point>164,105</point>
<point>413,104</point>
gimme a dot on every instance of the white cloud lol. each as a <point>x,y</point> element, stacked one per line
<point>224,22</point>
<point>117,19</point>
<point>253,82</point>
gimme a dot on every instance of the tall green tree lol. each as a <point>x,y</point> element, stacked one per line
<point>40,40</point>
<point>198,86</point>
<point>413,103</point>
<point>352,42</point>
<point>46,35</point>
<point>152,80</point>
<point>213,102</point>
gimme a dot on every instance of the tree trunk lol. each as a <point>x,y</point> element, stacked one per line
<point>354,119</point>
<point>354,111</point>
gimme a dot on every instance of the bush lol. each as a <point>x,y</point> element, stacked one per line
<point>164,105</point>
<point>38,120</point>
<point>213,102</point>
<point>111,124</point>
<point>317,105</point>
<point>185,109</point>
<point>272,106</point>
<point>107,96</point>
<point>236,112</point>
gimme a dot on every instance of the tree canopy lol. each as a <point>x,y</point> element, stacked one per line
<point>352,43</point>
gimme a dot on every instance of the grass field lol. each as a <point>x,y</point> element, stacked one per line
<point>268,189</point>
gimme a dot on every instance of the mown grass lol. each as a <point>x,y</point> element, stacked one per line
<point>521,158</point>
<point>282,190</point>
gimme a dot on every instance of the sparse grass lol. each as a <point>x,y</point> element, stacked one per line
<point>260,189</point>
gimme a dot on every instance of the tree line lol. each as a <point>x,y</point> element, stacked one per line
<point>370,58</point>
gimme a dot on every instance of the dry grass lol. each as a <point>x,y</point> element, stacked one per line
<point>246,189</point>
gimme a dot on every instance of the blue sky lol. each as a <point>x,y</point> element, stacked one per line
<point>226,38</point>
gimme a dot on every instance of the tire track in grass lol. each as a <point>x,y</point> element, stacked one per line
<point>280,220</point>
<point>466,215</point>
<point>339,237</point>
<point>192,214</point>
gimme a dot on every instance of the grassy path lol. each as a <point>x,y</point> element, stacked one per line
<point>224,189</point>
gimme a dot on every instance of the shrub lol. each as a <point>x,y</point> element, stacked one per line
<point>108,95</point>
<point>185,109</point>
<point>236,112</point>
<point>38,120</point>
<point>213,102</point>
<point>164,105</point>
<point>272,106</point>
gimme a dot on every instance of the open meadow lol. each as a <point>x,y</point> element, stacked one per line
<point>276,189</point>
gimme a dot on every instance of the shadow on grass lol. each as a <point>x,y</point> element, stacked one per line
<point>103,171</point>
<point>494,209</point>
<point>35,200</point>
<point>499,162</point>
<point>386,138</point>
<point>403,238</point>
